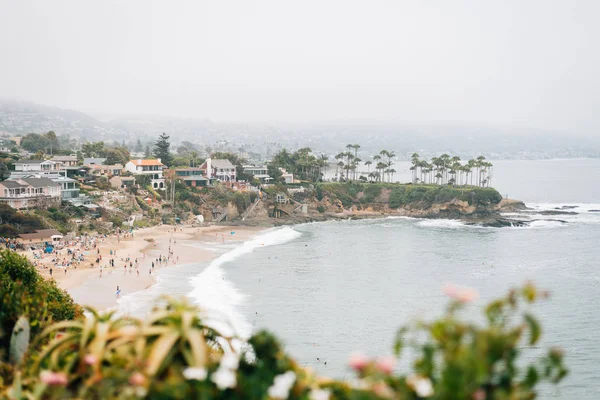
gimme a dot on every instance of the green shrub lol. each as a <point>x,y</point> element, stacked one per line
<point>371,192</point>
<point>319,192</point>
<point>23,292</point>
<point>397,197</point>
<point>320,209</point>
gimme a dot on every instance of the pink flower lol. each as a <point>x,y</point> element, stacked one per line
<point>383,390</point>
<point>464,295</point>
<point>386,364</point>
<point>90,359</point>
<point>137,379</point>
<point>54,378</point>
<point>358,361</point>
<point>479,395</point>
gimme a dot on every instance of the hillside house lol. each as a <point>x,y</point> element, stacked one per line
<point>66,161</point>
<point>25,168</point>
<point>192,176</point>
<point>122,182</point>
<point>222,170</point>
<point>87,161</point>
<point>106,170</point>
<point>69,188</point>
<point>259,172</point>
<point>30,192</point>
<point>152,168</point>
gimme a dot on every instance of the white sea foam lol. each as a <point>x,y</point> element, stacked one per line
<point>575,207</point>
<point>442,223</point>
<point>544,223</point>
<point>214,293</point>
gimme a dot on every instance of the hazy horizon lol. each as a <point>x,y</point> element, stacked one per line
<point>524,65</point>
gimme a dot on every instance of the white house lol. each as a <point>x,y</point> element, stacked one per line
<point>223,170</point>
<point>67,161</point>
<point>286,176</point>
<point>68,186</point>
<point>259,172</point>
<point>152,168</point>
<point>45,168</point>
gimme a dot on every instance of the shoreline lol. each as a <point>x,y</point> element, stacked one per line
<point>92,285</point>
<point>95,285</point>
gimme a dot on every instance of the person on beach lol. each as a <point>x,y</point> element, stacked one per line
<point>50,271</point>
<point>118,292</point>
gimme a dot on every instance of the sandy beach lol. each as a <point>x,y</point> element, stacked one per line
<point>95,284</point>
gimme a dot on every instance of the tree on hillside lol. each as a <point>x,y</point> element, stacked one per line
<point>117,155</point>
<point>275,173</point>
<point>138,146</point>
<point>161,149</point>
<point>147,153</point>
<point>93,149</point>
<point>34,142</point>
<point>186,148</point>
<point>52,141</point>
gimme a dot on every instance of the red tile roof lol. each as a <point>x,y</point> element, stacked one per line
<point>146,162</point>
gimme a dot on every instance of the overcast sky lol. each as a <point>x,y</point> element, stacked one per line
<point>532,63</point>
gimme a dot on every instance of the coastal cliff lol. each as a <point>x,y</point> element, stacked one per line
<point>474,205</point>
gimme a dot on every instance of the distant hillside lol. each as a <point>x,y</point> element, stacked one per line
<point>19,117</point>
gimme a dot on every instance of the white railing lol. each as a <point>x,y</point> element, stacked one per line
<point>26,196</point>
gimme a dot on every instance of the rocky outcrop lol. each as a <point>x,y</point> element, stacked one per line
<point>510,205</point>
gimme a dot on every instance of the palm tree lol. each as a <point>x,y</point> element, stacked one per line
<point>356,147</point>
<point>368,164</point>
<point>438,167</point>
<point>322,162</point>
<point>193,157</point>
<point>355,164</point>
<point>470,166</point>
<point>389,155</point>
<point>381,166</point>
<point>480,162</point>
<point>414,159</point>
<point>392,171</point>
<point>455,167</point>
<point>445,158</point>
<point>374,176</point>
<point>340,165</point>
<point>349,157</point>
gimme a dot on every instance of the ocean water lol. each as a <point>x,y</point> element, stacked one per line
<point>331,288</point>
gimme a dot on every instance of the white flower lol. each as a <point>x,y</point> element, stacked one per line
<point>319,394</point>
<point>224,378</point>
<point>421,385</point>
<point>197,373</point>
<point>282,385</point>
<point>230,361</point>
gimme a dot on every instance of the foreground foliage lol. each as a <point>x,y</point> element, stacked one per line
<point>176,353</point>
<point>28,304</point>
